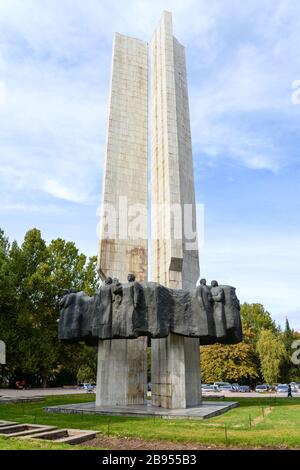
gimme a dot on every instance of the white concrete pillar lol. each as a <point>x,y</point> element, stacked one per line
<point>175,360</point>
<point>122,364</point>
<point>121,372</point>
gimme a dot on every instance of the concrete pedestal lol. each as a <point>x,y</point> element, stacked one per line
<point>122,372</point>
<point>206,410</point>
<point>176,372</point>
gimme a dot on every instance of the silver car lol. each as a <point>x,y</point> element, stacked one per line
<point>282,388</point>
<point>223,386</point>
<point>262,389</point>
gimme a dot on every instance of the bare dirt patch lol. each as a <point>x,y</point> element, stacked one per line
<point>124,443</point>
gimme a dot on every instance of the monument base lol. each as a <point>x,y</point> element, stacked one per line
<point>122,372</point>
<point>208,409</point>
<point>176,372</point>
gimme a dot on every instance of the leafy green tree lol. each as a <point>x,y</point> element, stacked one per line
<point>272,353</point>
<point>256,318</point>
<point>287,365</point>
<point>91,279</point>
<point>232,363</point>
<point>86,374</point>
<point>32,278</point>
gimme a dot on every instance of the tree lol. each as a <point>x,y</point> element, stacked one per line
<point>256,318</point>
<point>32,278</point>
<point>91,279</point>
<point>287,365</point>
<point>229,362</point>
<point>85,375</point>
<point>87,362</point>
<point>288,337</point>
<point>272,353</point>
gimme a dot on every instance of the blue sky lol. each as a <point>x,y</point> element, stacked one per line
<point>242,59</point>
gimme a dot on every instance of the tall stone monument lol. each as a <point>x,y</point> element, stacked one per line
<point>175,263</point>
<point>122,364</point>
<point>170,310</point>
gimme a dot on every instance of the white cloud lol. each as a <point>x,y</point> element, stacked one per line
<point>42,208</point>
<point>54,188</point>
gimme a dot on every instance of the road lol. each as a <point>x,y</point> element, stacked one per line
<point>12,393</point>
<point>247,395</point>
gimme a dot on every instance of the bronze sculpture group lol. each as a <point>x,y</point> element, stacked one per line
<point>119,311</point>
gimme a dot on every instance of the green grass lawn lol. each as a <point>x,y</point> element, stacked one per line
<point>258,422</point>
<point>10,443</point>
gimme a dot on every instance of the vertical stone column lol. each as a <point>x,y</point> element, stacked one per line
<point>122,364</point>
<point>175,360</point>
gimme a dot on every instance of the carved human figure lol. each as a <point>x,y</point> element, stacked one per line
<point>75,320</point>
<point>126,308</point>
<point>232,314</point>
<point>205,301</point>
<point>117,297</point>
<point>117,292</point>
<point>136,290</point>
<point>137,316</point>
<point>102,311</point>
<point>204,295</point>
<point>218,298</point>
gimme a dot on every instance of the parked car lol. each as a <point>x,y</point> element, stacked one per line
<point>209,388</point>
<point>223,386</point>
<point>262,388</point>
<point>282,388</point>
<point>88,387</point>
<point>244,389</point>
<point>235,387</point>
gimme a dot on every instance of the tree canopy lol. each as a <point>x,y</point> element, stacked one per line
<point>32,277</point>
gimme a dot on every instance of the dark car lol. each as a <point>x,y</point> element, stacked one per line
<point>244,389</point>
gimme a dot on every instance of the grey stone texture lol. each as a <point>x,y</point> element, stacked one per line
<point>135,309</point>
<point>174,263</point>
<point>122,376</point>
<point>207,410</point>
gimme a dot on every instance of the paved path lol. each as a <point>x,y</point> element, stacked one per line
<point>11,393</point>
